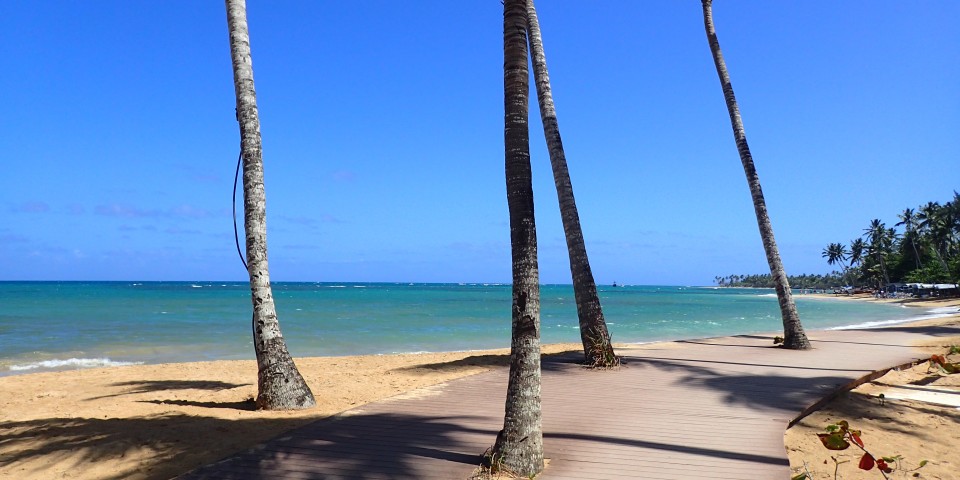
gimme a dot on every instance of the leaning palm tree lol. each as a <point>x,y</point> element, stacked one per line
<point>857,248</point>
<point>879,240</point>
<point>934,224</point>
<point>909,221</point>
<point>597,348</point>
<point>280,385</point>
<point>836,253</point>
<point>519,446</point>
<point>793,334</point>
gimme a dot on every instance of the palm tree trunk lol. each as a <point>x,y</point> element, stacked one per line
<point>597,349</point>
<point>519,446</point>
<point>916,253</point>
<point>280,385</point>
<point>794,336</point>
<point>883,268</point>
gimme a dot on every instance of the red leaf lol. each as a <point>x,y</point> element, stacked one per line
<point>856,439</point>
<point>882,465</point>
<point>866,462</point>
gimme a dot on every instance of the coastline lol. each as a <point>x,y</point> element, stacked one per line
<point>157,421</point>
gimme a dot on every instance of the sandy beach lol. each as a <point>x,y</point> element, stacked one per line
<point>918,419</point>
<point>156,421</point>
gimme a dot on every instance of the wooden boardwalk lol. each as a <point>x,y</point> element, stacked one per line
<point>714,408</point>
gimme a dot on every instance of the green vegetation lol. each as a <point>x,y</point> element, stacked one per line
<point>925,250</point>
<point>839,436</point>
<point>764,280</point>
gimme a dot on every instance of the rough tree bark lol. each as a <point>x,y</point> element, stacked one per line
<point>280,385</point>
<point>793,334</point>
<point>597,348</point>
<point>519,446</point>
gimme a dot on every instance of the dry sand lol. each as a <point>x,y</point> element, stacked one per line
<point>919,419</point>
<point>157,421</point>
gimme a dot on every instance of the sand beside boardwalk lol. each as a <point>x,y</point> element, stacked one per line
<point>919,419</point>
<point>157,421</point>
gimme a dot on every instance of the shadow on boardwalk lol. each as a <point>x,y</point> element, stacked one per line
<point>762,389</point>
<point>341,440</point>
<point>550,362</point>
<point>380,445</point>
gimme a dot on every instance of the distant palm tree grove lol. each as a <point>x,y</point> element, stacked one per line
<point>923,247</point>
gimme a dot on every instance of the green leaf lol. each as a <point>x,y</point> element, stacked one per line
<point>802,476</point>
<point>833,441</point>
<point>922,463</point>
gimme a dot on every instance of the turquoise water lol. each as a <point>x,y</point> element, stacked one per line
<point>57,325</point>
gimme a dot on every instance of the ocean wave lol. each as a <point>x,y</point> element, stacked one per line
<point>71,362</point>
<point>943,310</point>
<point>878,323</point>
<point>928,315</point>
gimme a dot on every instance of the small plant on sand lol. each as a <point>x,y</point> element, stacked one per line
<point>491,468</point>
<point>954,350</point>
<point>778,340</point>
<point>603,357</point>
<point>840,436</point>
<point>941,365</point>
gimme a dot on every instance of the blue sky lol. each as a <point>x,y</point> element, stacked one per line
<point>383,136</point>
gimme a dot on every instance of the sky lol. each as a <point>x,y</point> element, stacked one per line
<point>382,126</point>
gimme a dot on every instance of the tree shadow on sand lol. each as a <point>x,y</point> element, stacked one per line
<point>853,405</point>
<point>337,443</point>
<point>549,362</point>
<point>146,386</point>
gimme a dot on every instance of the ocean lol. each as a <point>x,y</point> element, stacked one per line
<point>65,325</point>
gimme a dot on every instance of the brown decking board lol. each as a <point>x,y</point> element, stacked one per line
<point>713,408</point>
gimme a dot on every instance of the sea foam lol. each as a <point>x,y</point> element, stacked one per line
<point>72,362</point>
<point>930,314</point>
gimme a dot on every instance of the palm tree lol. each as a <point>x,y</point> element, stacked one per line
<point>836,253</point>
<point>856,251</point>
<point>909,221</point>
<point>280,385</point>
<point>934,224</point>
<point>878,243</point>
<point>857,247</point>
<point>597,349</point>
<point>519,446</point>
<point>794,336</point>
